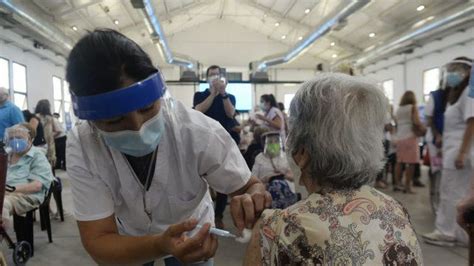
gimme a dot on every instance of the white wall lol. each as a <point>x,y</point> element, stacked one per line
<point>39,72</point>
<point>407,70</point>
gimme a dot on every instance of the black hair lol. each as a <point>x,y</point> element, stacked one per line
<point>101,59</point>
<point>56,114</point>
<point>43,107</point>
<point>269,98</point>
<point>281,106</point>
<point>213,67</point>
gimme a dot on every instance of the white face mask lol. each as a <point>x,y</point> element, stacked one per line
<point>295,169</point>
<point>137,143</point>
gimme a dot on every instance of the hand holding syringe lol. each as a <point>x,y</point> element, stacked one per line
<point>246,234</point>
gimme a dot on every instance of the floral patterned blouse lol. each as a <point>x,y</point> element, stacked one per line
<point>351,227</point>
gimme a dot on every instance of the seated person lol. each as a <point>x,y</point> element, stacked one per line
<point>29,174</point>
<point>335,149</point>
<point>271,167</point>
<point>256,147</point>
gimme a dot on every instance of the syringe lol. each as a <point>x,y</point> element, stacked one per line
<point>218,232</point>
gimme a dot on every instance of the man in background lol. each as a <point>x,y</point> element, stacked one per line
<point>10,114</point>
<point>219,105</point>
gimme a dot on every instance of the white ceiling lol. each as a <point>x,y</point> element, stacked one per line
<point>235,32</point>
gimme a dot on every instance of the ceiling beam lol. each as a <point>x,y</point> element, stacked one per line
<point>76,8</point>
<point>296,24</point>
<point>222,8</point>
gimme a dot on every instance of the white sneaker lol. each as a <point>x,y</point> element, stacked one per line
<point>437,238</point>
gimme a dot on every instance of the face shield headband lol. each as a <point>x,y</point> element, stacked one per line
<point>119,102</point>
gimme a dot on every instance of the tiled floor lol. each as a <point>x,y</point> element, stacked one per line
<point>67,248</point>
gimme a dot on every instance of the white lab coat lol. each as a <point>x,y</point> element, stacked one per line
<point>194,151</point>
<point>454,183</point>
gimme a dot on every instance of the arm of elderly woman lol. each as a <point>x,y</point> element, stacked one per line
<point>253,256</point>
<point>29,188</point>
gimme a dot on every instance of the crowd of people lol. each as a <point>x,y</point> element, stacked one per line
<point>150,177</point>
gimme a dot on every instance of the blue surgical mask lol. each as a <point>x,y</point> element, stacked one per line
<point>262,107</point>
<point>18,145</point>
<point>453,79</point>
<point>137,143</point>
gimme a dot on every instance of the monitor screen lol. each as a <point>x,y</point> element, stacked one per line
<point>241,91</point>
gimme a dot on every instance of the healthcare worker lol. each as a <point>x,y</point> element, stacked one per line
<point>457,168</point>
<point>141,165</point>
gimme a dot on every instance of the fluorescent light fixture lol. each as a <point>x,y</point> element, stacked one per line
<point>420,8</point>
<point>283,37</point>
<point>300,38</point>
<point>334,56</point>
<point>277,24</point>
<point>74,28</point>
<point>430,18</point>
<point>333,44</point>
<point>116,22</point>
<point>372,34</point>
<point>307,10</point>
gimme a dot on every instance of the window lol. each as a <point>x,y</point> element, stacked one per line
<point>287,100</point>
<point>57,94</point>
<point>430,81</point>
<point>62,98</point>
<point>387,87</point>
<point>19,86</point>
<point>4,74</point>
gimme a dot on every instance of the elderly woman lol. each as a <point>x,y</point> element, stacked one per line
<point>29,174</point>
<point>335,149</point>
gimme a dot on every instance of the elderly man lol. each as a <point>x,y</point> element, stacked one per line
<point>335,149</point>
<point>10,114</point>
<point>29,174</point>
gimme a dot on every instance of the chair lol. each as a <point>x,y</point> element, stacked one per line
<point>24,225</point>
<point>57,194</point>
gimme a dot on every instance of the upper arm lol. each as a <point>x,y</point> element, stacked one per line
<point>41,170</point>
<point>34,122</point>
<point>221,162</point>
<point>91,196</point>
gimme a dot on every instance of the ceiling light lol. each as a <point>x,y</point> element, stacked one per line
<point>333,43</point>
<point>300,38</point>
<point>372,34</point>
<point>74,28</point>
<point>334,56</point>
<point>420,8</point>
<point>116,22</point>
<point>307,10</point>
<point>283,37</point>
<point>277,24</point>
<point>430,18</point>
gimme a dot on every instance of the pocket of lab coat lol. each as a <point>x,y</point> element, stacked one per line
<point>184,204</point>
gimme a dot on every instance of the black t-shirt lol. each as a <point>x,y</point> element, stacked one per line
<point>216,111</point>
<point>140,166</point>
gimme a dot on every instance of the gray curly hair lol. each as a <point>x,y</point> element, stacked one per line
<point>339,120</point>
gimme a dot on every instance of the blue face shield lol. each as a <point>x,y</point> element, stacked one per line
<point>120,102</point>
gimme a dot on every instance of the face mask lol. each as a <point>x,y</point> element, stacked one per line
<point>273,149</point>
<point>295,169</point>
<point>18,145</point>
<point>262,107</point>
<point>453,79</point>
<point>137,143</point>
